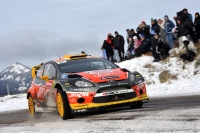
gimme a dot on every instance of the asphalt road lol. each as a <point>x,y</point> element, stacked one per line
<point>160,114</point>
<point>22,116</point>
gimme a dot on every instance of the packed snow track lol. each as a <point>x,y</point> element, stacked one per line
<point>175,115</point>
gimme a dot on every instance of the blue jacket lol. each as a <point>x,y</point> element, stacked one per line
<point>168,26</point>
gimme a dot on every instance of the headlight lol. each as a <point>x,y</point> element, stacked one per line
<point>132,77</point>
<point>83,84</point>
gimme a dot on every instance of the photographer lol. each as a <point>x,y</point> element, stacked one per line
<point>188,49</point>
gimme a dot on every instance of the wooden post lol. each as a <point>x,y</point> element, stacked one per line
<point>8,92</point>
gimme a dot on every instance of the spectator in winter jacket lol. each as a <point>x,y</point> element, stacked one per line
<point>185,16</point>
<point>183,29</point>
<point>196,27</point>
<point>136,42</point>
<point>134,34</point>
<point>109,50</point>
<point>128,54</point>
<point>188,48</point>
<point>110,40</point>
<point>128,35</point>
<point>119,45</point>
<point>162,33</point>
<point>145,30</point>
<point>168,26</point>
<point>156,44</point>
<point>154,29</point>
<point>143,48</point>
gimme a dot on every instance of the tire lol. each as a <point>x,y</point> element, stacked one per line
<point>31,105</point>
<point>63,105</point>
<point>136,106</point>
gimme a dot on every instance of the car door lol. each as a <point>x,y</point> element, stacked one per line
<point>49,95</point>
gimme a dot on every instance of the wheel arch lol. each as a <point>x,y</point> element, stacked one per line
<point>58,86</point>
<point>29,94</point>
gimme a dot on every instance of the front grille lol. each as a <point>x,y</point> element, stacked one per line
<point>108,89</point>
<point>112,98</point>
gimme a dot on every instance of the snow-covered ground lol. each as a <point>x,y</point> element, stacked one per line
<point>186,83</point>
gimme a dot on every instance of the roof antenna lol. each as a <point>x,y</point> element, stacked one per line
<point>58,55</point>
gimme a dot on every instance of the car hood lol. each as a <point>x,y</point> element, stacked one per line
<point>106,75</point>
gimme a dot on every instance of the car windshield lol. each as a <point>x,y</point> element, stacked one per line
<point>88,64</point>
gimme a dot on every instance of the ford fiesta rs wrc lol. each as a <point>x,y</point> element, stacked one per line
<point>75,84</point>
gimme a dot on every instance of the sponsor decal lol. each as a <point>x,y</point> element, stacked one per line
<point>43,93</point>
<point>137,75</point>
<point>109,77</point>
<point>104,86</point>
<point>72,100</point>
<point>112,81</point>
<point>115,92</point>
<point>80,111</point>
<point>48,83</point>
<point>64,76</point>
<point>60,61</point>
<point>79,95</point>
<point>67,84</point>
<point>138,82</point>
<point>122,83</point>
<point>53,84</point>
<point>140,86</point>
<point>81,89</point>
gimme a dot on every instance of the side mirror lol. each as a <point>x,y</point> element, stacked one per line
<point>45,77</point>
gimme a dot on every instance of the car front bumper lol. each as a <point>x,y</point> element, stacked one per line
<point>82,108</point>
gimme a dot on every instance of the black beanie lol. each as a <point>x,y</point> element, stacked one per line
<point>116,32</point>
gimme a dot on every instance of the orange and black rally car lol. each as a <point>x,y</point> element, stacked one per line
<point>76,84</point>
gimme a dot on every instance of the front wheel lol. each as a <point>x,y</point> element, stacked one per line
<point>63,105</point>
<point>31,105</point>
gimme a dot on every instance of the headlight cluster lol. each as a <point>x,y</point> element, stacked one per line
<point>83,84</point>
<point>132,77</point>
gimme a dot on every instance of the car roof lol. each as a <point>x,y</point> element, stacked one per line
<point>72,57</point>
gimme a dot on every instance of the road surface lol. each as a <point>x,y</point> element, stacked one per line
<point>181,114</point>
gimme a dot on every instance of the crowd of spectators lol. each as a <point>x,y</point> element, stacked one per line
<point>157,38</point>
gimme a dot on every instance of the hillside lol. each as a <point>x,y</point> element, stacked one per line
<point>17,76</point>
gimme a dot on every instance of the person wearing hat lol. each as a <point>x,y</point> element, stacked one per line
<point>119,45</point>
<point>144,29</point>
<point>144,46</point>
<point>168,26</point>
<point>188,49</point>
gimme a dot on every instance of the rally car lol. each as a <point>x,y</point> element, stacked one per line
<point>75,84</point>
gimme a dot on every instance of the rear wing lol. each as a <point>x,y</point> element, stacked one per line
<point>34,69</point>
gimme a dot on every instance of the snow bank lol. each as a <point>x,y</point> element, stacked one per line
<point>175,66</point>
<point>13,102</point>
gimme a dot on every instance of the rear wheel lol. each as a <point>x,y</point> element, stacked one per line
<point>63,105</point>
<point>31,105</point>
<point>136,106</point>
